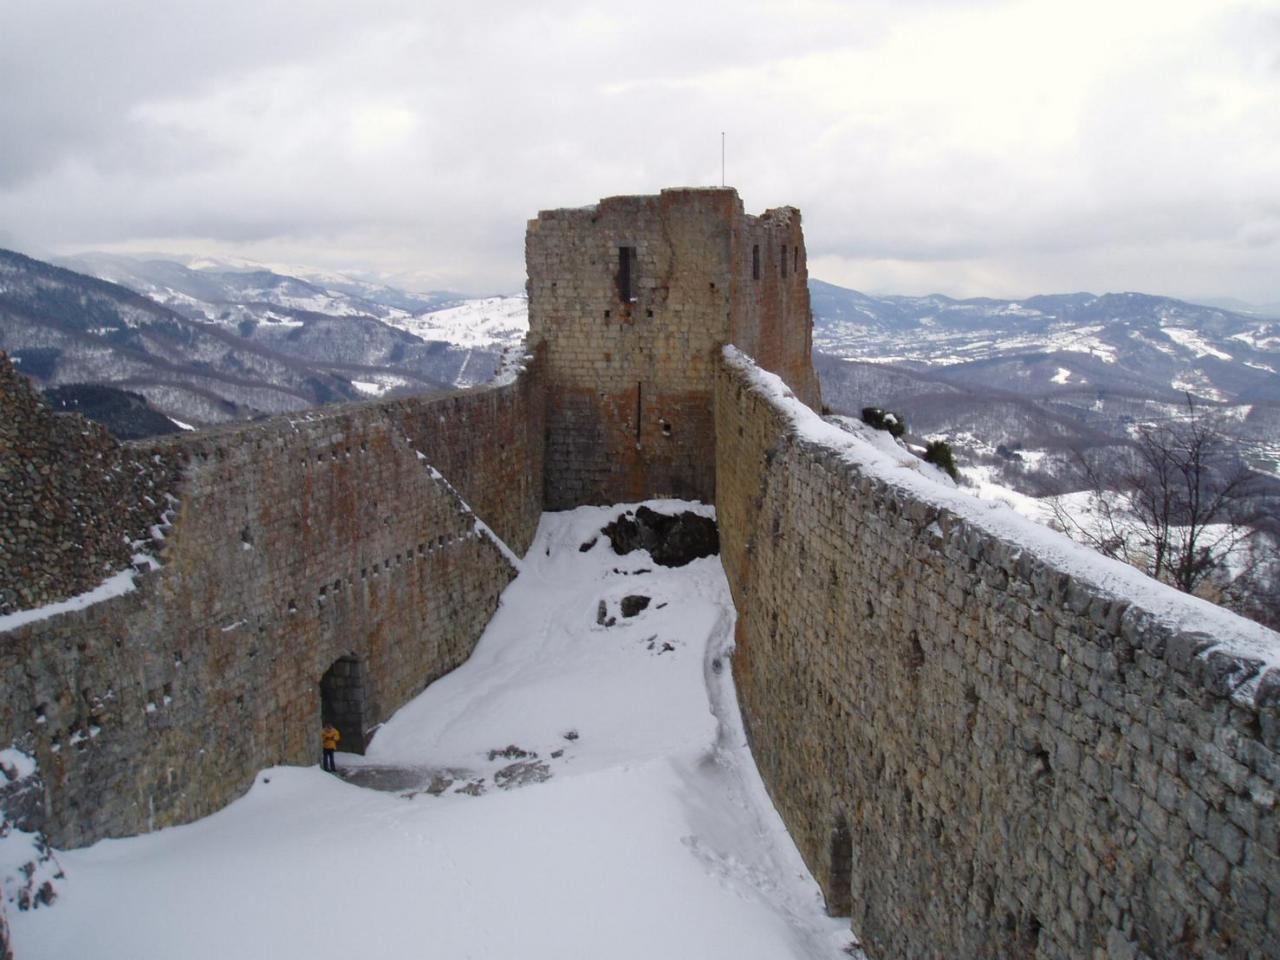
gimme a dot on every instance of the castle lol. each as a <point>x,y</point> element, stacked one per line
<point>984,743</point>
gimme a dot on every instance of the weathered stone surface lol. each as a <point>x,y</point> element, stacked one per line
<point>983,765</point>
<point>298,543</point>
<point>630,372</point>
<point>978,754</point>
<point>74,498</point>
<point>522,774</point>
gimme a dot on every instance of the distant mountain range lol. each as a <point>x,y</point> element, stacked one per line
<point>1048,372</point>
<point>230,293</point>
<point>206,341</point>
<point>1155,346</point>
<point>209,343</point>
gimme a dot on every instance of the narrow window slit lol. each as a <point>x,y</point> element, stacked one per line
<point>626,257</point>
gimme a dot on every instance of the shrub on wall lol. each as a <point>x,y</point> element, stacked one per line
<point>938,452</point>
<point>895,423</point>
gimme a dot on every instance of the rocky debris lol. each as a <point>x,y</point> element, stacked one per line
<point>526,769</point>
<point>633,604</point>
<point>76,501</point>
<point>602,615</point>
<point>571,735</point>
<point>511,752</point>
<point>651,643</point>
<point>588,545</point>
<point>439,784</point>
<point>672,541</point>
<point>388,778</point>
<point>521,774</point>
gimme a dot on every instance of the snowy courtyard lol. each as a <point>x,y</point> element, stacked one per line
<point>580,788</point>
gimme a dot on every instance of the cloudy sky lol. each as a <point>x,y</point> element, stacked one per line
<point>973,148</point>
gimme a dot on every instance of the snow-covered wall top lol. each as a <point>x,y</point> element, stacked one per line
<point>1222,632</point>
<point>985,740</point>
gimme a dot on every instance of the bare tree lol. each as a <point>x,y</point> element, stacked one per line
<point>1255,593</point>
<point>1174,502</point>
<point>1104,523</point>
<point>1192,495</point>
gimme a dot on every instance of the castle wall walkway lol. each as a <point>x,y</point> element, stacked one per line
<point>986,741</point>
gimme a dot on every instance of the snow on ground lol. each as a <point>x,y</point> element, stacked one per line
<point>650,836</point>
<point>1197,383</point>
<point>1194,342</point>
<point>984,483</point>
<point>380,384</point>
<point>1084,340</point>
<point>944,347</point>
<point>1081,506</point>
<point>15,765</point>
<point>491,321</point>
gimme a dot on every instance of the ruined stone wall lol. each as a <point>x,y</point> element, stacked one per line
<point>981,748</point>
<point>73,498</point>
<point>489,444</point>
<point>630,347</point>
<point>296,542</point>
<point>629,373</point>
<point>771,320</point>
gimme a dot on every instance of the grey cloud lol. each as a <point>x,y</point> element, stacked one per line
<point>398,138</point>
<point>73,71</point>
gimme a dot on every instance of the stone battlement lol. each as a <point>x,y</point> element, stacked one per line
<point>632,298</point>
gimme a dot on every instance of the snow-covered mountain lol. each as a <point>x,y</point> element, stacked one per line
<point>490,322</point>
<point>226,292</point>
<point>1060,370</point>
<point>228,343</point>
<point>63,327</point>
<point>259,301</point>
<point>1133,341</point>
<point>1049,372</point>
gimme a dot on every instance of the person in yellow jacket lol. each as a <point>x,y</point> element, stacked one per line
<point>331,737</point>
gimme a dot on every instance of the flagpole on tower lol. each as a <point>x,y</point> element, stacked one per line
<point>722,158</point>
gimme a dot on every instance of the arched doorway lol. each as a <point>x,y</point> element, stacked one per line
<point>342,701</point>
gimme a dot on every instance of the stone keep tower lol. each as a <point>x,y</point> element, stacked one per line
<point>632,298</point>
